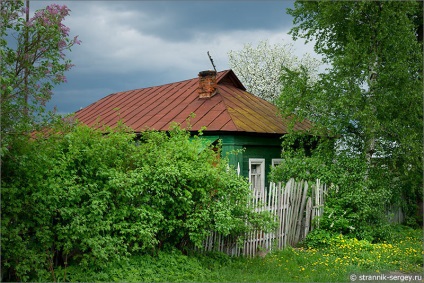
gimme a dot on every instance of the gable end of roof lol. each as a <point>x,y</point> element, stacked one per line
<point>229,77</point>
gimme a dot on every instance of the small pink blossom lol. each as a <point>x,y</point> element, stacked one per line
<point>68,66</point>
<point>61,78</point>
<point>76,40</point>
<point>64,29</point>
<point>62,44</point>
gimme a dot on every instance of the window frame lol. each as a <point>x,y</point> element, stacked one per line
<point>276,161</point>
<point>261,163</point>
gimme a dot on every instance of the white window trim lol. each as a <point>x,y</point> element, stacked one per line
<point>261,162</point>
<point>276,161</point>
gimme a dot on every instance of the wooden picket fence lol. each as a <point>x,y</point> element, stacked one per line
<point>294,206</point>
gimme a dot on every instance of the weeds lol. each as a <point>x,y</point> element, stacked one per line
<point>334,262</point>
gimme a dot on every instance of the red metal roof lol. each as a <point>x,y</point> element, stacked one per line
<point>232,109</point>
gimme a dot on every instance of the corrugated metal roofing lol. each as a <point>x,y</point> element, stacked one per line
<point>232,109</point>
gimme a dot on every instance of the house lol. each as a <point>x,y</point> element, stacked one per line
<point>220,103</point>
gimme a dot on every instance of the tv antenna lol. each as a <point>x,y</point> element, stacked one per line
<point>210,58</point>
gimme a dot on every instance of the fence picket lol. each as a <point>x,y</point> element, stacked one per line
<point>301,212</point>
<point>279,215</point>
<point>308,212</point>
<point>292,208</point>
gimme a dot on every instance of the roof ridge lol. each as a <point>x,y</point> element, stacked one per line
<point>220,73</point>
<point>229,113</point>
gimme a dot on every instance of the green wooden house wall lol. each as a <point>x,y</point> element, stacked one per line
<point>248,146</point>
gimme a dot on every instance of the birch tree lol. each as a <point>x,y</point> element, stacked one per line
<point>370,99</point>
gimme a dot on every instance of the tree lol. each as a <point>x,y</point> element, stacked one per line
<point>259,68</point>
<point>32,58</point>
<point>369,100</point>
<point>33,61</point>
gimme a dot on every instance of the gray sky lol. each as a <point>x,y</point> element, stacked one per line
<point>135,44</point>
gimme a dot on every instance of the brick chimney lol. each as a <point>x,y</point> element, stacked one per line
<point>207,84</point>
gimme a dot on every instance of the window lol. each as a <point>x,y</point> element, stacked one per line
<point>257,175</point>
<point>276,161</point>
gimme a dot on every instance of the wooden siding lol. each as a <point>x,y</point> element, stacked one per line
<point>251,146</point>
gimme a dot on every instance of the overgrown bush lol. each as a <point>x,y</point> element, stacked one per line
<point>356,204</point>
<point>333,261</point>
<point>82,197</point>
<point>167,266</point>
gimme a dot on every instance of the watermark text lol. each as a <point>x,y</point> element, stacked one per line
<point>386,277</point>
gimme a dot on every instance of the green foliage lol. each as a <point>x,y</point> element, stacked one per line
<point>33,61</point>
<point>166,266</point>
<point>332,261</point>
<point>74,195</point>
<point>196,192</point>
<point>366,109</point>
<point>354,204</point>
<point>402,251</point>
<point>319,238</point>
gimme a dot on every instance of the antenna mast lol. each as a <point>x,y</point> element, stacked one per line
<point>210,58</point>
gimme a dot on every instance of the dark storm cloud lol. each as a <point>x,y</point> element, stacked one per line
<point>182,20</point>
<point>135,44</point>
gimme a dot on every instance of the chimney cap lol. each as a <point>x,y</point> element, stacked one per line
<point>207,73</point>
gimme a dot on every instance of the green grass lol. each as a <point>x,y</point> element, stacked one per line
<point>342,257</point>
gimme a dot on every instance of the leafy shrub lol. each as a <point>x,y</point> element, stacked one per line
<point>358,206</point>
<point>340,257</point>
<point>82,197</point>
<point>318,238</point>
<point>166,266</point>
